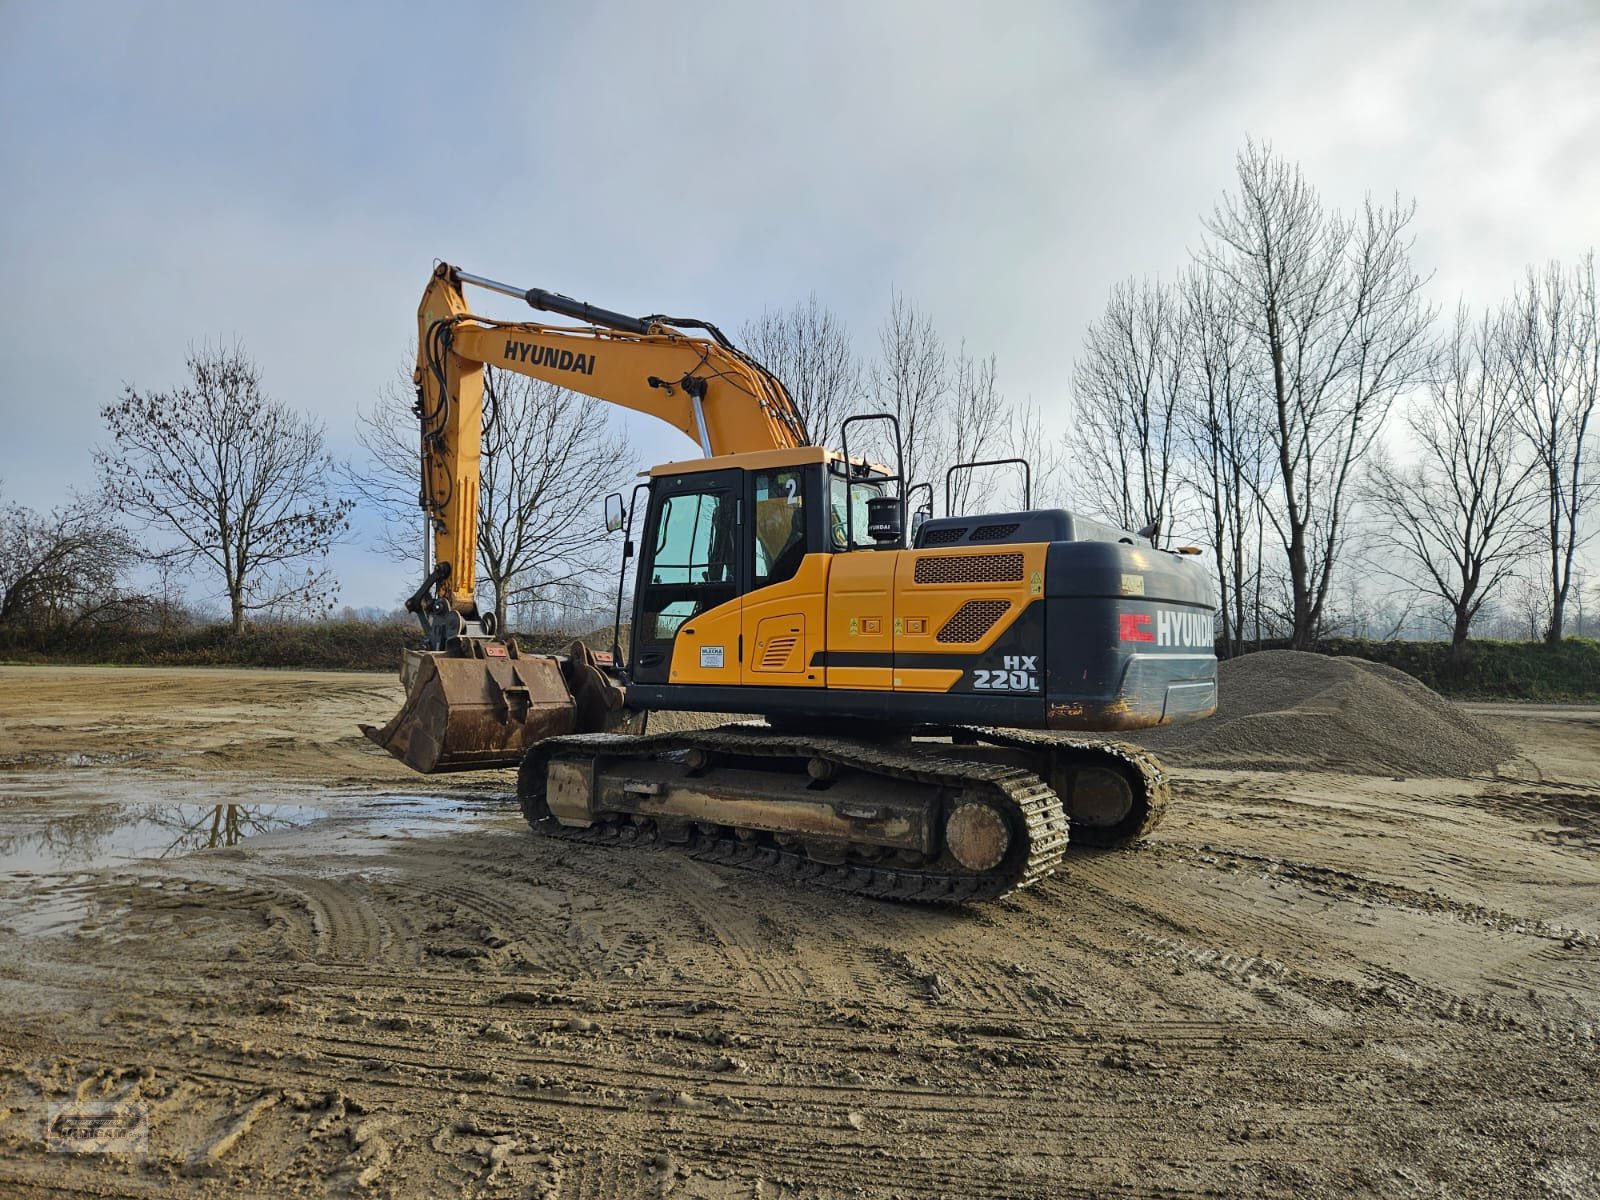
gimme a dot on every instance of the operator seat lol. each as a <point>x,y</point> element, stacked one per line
<point>788,560</point>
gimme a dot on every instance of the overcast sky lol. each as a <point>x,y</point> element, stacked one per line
<point>287,174</point>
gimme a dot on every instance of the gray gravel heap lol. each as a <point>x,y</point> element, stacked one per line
<point>1288,710</point>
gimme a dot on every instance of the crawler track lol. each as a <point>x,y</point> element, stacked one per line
<point>1038,824</point>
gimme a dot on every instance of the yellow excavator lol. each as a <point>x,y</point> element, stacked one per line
<point>919,693</point>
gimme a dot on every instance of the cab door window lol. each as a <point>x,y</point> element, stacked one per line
<point>692,567</point>
<point>780,524</point>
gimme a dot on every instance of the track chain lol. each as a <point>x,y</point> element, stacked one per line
<point>1156,785</point>
<point>1036,808</point>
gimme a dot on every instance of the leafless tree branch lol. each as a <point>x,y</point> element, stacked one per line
<point>237,481</point>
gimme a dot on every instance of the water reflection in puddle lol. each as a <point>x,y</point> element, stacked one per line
<point>88,820</point>
<point>46,839</point>
<point>60,830</point>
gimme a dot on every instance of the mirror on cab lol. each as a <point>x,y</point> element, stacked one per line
<point>614,512</point>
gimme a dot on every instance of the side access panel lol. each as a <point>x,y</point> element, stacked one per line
<point>707,648</point>
<point>784,628</point>
<point>860,646</point>
<point>970,620</point>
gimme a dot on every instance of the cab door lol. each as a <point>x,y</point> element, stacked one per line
<point>784,633</point>
<point>692,575</point>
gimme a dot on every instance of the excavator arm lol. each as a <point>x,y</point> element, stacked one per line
<point>703,386</point>
<point>473,700</point>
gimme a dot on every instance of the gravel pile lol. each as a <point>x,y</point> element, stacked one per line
<point>1287,710</point>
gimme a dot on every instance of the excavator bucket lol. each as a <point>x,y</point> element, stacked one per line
<point>467,714</point>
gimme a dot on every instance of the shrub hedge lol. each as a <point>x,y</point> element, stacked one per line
<point>1568,671</point>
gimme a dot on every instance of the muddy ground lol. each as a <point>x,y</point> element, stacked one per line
<point>1302,985</point>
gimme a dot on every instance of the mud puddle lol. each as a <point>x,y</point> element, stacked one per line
<point>64,833</point>
<point>53,825</point>
<point>107,835</point>
<point>86,822</point>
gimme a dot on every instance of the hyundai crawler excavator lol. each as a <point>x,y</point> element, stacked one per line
<point>934,707</point>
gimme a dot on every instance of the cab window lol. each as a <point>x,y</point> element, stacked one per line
<point>780,525</point>
<point>692,564</point>
<point>847,504</point>
<point>692,542</point>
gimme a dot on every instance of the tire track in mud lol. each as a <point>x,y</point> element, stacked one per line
<point>605,1176</point>
<point>865,1128</point>
<point>1142,1024</point>
<point>1350,885</point>
<point>489,925</point>
<point>344,920</point>
<point>1189,942</point>
<point>1565,816</point>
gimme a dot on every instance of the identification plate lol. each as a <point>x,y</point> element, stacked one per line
<point>711,656</point>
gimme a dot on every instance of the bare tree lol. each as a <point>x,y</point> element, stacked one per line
<point>238,481</point>
<point>1338,328</point>
<point>911,379</point>
<point>1027,438</point>
<point>1125,390</point>
<point>1457,517</point>
<point>64,567</point>
<point>1225,460</point>
<point>979,418</point>
<point>1527,607</point>
<point>810,350</point>
<point>1554,338</point>
<point>388,481</point>
<point>550,455</point>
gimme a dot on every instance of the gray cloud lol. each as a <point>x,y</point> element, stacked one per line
<point>286,175</point>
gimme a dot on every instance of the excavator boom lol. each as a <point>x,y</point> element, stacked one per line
<point>702,386</point>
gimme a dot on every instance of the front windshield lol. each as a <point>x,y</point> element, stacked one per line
<point>855,495</point>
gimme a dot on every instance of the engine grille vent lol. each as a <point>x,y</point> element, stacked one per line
<point>972,620</point>
<point>970,568</point>
<point>993,533</point>
<point>777,654</point>
<point>943,537</point>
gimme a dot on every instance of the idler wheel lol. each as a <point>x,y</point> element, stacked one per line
<point>1101,796</point>
<point>977,836</point>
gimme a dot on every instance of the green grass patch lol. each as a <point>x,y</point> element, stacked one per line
<point>334,645</point>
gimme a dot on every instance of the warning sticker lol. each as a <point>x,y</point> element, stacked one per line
<point>711,656</point>
<point>1133,585</point>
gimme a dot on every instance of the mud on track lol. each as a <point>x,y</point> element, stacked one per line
<point>1304,985</point>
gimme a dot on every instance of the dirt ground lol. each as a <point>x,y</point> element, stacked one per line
<point>1303,985</point>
